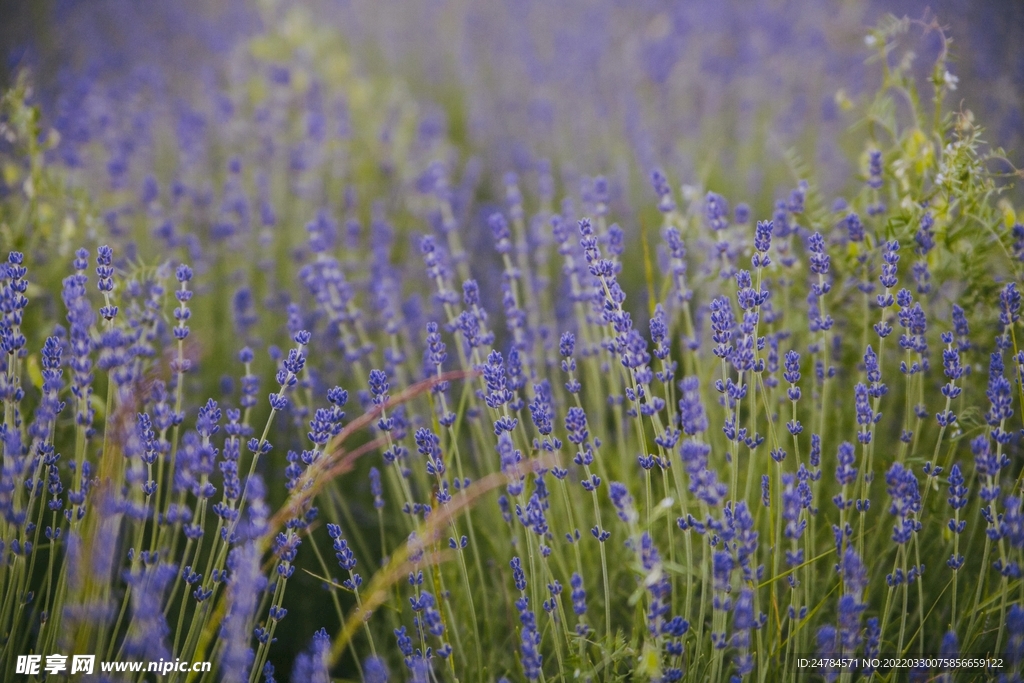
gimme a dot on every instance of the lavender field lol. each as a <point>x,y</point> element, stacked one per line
<point>435,341</point>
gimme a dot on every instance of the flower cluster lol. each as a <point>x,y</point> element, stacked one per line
<point>529,355</point>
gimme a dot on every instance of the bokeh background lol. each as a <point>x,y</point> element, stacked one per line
<point>703,88</point>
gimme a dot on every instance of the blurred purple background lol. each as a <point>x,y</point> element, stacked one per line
<point>704,88</point>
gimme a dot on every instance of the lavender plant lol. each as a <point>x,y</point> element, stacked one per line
<point>463,428</point>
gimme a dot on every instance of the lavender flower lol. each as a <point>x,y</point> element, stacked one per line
<point>906,501</point>
<point>716,211</point>
<point>311,665</point>
<point>148,636</point>
<point>661,187</point>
